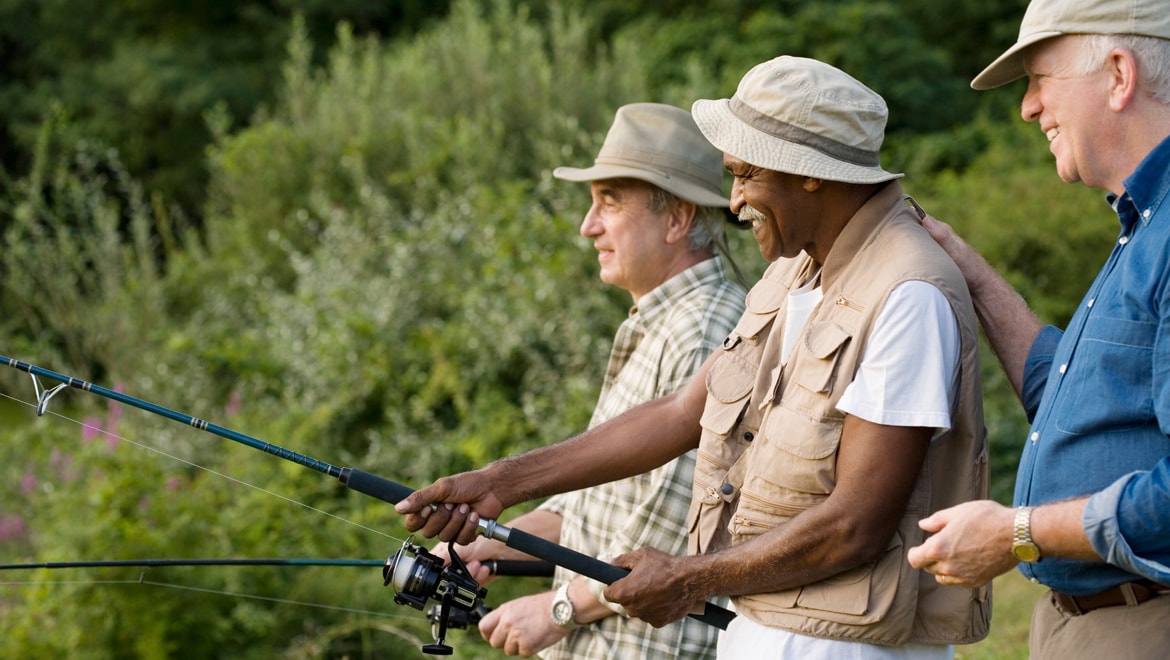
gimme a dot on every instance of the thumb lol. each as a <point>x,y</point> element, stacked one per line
<point>934,522</point>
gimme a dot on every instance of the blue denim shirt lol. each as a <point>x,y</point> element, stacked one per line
<point>1098,396</point>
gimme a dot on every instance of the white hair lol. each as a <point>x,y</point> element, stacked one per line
<point>1152,55</point>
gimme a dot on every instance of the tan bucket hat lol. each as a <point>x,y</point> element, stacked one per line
<point>659,144</point>
<point>800,116</point>
<point>1045,19</point>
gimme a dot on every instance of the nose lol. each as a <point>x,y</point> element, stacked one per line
<point>737,201</point>
<point>1030,105</point>
<point>591,226</point>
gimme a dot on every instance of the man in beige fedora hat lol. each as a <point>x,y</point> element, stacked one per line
<point>843,408</point>
<point>1091,516</point>
<point>656,222</point>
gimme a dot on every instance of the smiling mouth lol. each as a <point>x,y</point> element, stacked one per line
<point>1052,133</point>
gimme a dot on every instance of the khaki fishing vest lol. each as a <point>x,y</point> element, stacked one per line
<point>771,432</point>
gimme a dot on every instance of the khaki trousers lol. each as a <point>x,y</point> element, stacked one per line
<point>1115,633</point>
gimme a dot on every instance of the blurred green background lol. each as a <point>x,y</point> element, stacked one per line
<point>332,225</point>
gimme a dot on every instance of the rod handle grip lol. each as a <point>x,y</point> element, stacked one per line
<point>373,485</point>
<point>520,567</point>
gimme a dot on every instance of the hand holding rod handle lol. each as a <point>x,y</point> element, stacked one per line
<point>392,492</point>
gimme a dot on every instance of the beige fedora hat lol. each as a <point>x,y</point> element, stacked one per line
<point>800,116</point>
<point>659,144</point>
<point>1045,19</point>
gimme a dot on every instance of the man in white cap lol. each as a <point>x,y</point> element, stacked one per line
<point>843,408</point>
<point>657,224</point>
<point>1091,516</point>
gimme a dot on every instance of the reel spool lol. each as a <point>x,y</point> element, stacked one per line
<point>419,576</point>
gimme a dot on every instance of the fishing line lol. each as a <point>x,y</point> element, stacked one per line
<point>217,592</point>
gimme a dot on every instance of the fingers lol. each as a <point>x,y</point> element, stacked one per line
<point>418,502</point>
<point>447,522</point>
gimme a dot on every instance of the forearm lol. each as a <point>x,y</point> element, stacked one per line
<point>1058,531</point>
<point>632,443</point>
<point>586,606</point>
<point>815,545</point>
<point>1008,323</point>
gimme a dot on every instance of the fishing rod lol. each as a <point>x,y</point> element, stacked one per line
<point>417,574</point>
<point>497,567</point>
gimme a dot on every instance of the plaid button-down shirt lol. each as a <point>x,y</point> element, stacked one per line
<point>670,333</point>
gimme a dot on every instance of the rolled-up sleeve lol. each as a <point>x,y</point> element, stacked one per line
<point>1127,523</point>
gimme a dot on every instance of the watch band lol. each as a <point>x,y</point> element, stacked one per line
<point>563,612</point>
<point>1023,547</point>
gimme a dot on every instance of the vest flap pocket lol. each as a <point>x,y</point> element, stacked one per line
<point>750,326</point>
<point>765,297</point>
<point>729,380</point>
<point>824,338</point>
<point>817,369</point>
<point>801,436</point>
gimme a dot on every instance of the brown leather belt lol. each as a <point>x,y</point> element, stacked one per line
<point>1128,593</point>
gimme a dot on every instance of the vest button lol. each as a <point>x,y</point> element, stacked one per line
<point>727,489</point>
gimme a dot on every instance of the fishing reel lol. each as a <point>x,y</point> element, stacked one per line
<point>419,576</point>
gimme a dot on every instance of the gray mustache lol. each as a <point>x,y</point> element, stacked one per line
<point>749,215</point>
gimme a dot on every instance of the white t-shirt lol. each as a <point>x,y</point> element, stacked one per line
<point>909,373</point>
<point>908,377</point>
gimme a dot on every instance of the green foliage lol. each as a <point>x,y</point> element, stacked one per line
<point>385,275</point>
<point>82,246</point>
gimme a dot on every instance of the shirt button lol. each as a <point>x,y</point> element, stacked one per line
<point>1090,303</point>
<point>748,436</point>
<point>1034,580</point>
<point>1035,436</point>
<point>1063,368</point>
<point>1123,240</point>
<point>1146,214</point>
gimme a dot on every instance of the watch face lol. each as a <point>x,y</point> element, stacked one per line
<point>562,612</point>
<point>1026,552</point>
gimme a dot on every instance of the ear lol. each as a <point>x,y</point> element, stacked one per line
<point>678,225</point>
<point>1123,78</point>
<point>811,184</point>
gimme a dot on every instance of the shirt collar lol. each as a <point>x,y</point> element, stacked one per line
<point>1145,189</point>
<point>657,302</point>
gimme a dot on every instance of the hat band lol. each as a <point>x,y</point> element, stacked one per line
<point>791,133</point>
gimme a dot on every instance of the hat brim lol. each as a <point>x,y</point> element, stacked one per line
<point>682,189</point>
<point>1010,66</point>
<point>731,135</point>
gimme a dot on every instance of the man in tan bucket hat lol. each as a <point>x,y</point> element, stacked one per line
<point>1091,514</point>
<point>656,221</point>
<point>843,408</point>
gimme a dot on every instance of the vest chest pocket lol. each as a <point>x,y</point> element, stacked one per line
<point>817,364</point>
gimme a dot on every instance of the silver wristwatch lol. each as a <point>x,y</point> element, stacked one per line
<point>562,608</point>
